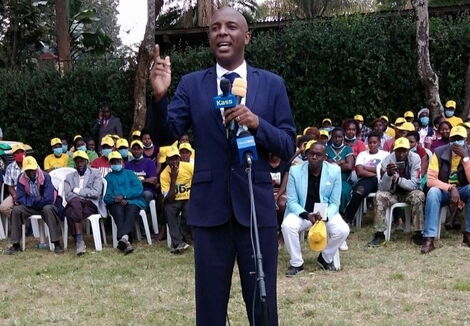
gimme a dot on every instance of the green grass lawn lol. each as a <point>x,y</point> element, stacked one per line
<point>391,285</point>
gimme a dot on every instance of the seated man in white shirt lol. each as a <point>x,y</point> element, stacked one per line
<point>315,181</point>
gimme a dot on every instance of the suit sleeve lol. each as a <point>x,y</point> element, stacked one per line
<point>94,190</point>
<point>68,189</point>
<point>415,176</point>
<point>47,197</point>
<point>335,199</point>
<point>292,196</point>
<point>168,121</point>
<point>22,197</point>
<point>278,137</point>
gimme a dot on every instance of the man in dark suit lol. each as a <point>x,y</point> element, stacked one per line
<point>106,124</point>
<point>219,209</point>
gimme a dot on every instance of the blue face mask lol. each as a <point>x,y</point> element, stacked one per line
<point>81,148</point>
<point>449,113</point>
<point>116,167</point>
<point>58,151</point>
<point>106,151</point>
<point>329,129</point>
<point>459,142</point>
<point>424,121</point>
<point>65,148</point>
<point>124,152</point>
<point>350,139</point>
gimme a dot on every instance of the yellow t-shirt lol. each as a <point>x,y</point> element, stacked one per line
<point>183,180</point>
<point>53,162</point>
<point>454,164</point>
<point>454,121</point>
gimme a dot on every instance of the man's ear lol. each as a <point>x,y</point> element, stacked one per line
<point>247,38</point>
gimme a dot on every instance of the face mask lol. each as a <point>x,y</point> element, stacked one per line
<point>360,125</point>
<point>19,157</point>
<point>124,152</point>
<point>116,167</point>
<point>337,146</point>
<point>350,139</point>
<point>138,158</point>
<point>148,146</point>
<point>424,121</point>
<point>459,142</point>
<point>81,148</point>
<point>58,151</point>
<point>414,149</point>
<point>82,170</point>
<point>449,113</point>
<point>65,148</point>
<point>329,129</point>
<point>106,151</point>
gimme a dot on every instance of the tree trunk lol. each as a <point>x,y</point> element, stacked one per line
<point>466,104</point>
<point>426,74</point>
<point>143,60</point>
<point>62,31</point>
<point>204,12</point>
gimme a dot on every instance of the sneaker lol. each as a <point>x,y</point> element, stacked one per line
<point>344,246</point>
<point>13,249</point>
<point>180,248</point>
<point>123,243</point>
<point>324,265</point>
<point>128,249</point>
<point>292,271</point>
<point>379,240</point>
<point>80,248</point>
<point>58,249</point>
<point>417,238</point>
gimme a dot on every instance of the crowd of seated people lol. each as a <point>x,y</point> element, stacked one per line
<point>418,160</point>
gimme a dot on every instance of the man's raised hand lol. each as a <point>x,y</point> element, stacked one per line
<point>160,75</point>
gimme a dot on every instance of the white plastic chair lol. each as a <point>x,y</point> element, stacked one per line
<point>95,220</point>
<point>143,215</point>
<point>389,218</point>
<point>153,214</point>
<point>363,208</point>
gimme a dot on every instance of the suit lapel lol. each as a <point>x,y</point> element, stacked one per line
<point>210,79</point>
<point>253,82</point>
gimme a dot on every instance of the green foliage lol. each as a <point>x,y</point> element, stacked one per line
<point>39,105</point>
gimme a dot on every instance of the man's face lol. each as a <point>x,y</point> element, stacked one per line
<point>401,133</point>
<point>379,126</point>
<point>401,154</point>
<point>337,138</point>
<point>228,36</point>
<point>184,139</point>
<point>79,143</point>
<point>106,112</point>
<point>80,163</point>
<point>409,119</point>
<point>146,140</point>
<point>185,155</point>
<point>31,174</point>
<point>316,155</point>
<point>136,151</point>
<point>91,145</point>
<point>173,161</point>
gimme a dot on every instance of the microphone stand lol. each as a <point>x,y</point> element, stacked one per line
<point>258,257</point>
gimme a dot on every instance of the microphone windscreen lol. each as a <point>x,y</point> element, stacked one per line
<point>239,87</point>
<point>225,86</point>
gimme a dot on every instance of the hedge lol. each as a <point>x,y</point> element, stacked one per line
<point>333,68</point>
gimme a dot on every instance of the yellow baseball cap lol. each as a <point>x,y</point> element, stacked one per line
<point>326,120</point>
<point>136,133</point>
<point>30,163</point>
<point>317,236</point>
<point>401,142</point>
<point>408,126</point>
<point>186,146</point>
<point>122,142</point>
<point>114,155</point>
<point>309,144</point>
<point>137,142</point>
<point>451,104</point>
<point>107,141</point>
<point>17,147</point>
<point>323,132</point>
<point>384,117</point>
<point>172,151</point>
<point>400,120</point>
<point>359,117</point>
<point>456,131</point>
<point>76,137</point>
<point>55,141</point>
<point>81,154</point>
<point>162,153</point>
<point>409,114</point>
<point>305,130</point>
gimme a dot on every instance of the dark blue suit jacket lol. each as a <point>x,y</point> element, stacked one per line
<point>220,185</point>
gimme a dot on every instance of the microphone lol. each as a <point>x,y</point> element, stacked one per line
<point>227,100</point>
<point>239,90</point>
